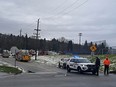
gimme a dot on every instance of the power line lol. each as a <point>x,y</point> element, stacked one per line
<point>75,2</point>
<point>59,6</point>
<point>77,6</point>
<point>61,13</point>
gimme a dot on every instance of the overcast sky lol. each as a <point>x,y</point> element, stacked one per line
<point>95,19</point>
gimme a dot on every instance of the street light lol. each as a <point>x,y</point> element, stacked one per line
<point>80,34</point>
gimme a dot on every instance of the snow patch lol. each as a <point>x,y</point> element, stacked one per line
<point>49,59</point>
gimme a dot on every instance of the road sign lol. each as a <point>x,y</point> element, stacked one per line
<point>93,48</point>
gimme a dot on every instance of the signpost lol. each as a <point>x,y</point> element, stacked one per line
<point>93,49</point>
<point>14,50</point>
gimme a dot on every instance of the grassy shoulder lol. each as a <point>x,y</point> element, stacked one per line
<point>10,70</point>
<point>102,57</point>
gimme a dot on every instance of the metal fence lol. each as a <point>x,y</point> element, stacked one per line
<point>112,50</point>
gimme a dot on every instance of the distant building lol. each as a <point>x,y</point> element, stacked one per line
<point>33,37</point>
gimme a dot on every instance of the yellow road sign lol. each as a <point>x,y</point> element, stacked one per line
<point>93,48</point>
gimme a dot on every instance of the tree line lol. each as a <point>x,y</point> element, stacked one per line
<point>61,45</point>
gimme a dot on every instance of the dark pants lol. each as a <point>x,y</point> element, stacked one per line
<point>106,69</point>
<point>97,70</point>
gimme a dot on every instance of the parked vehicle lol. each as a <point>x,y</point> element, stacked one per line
<point>23,55</point>
<point>62,62</point>
<point>81,65</point>
<point>32,52</point>
<point>5,54</point>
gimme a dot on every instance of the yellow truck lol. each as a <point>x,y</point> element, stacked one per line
<point>23,55</point>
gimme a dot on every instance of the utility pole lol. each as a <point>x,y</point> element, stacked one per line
<point>20,32</point>
<point>20,38</point>
<point>37,37</point>
<point>26,41</point>
<point>80,34</point>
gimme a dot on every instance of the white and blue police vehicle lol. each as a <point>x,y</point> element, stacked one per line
<point>81,65</point>
<point>62,63</point>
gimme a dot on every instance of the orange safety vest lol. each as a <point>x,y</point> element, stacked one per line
<point>106,62</point>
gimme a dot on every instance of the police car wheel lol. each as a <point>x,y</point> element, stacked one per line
<point>79,70</point>
<point>68,69</point>
<point>64,66</point>
<point>59,65</point>
<point>93,72</point>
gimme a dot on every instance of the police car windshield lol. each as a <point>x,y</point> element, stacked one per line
<point>83,61</point>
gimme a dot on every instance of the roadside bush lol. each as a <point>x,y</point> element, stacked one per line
<point>102,57</point>
<point>10,70</point>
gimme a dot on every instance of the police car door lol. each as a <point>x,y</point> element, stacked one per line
<point>71,63</point>
<point>75,64</point>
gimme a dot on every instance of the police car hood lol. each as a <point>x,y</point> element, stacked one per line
<point>86,63</point>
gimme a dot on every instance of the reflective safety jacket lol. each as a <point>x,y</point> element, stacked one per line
<point>106,62</point>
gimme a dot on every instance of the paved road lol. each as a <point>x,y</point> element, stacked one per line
<point>32,66</point>
<point>58,80</point>
<point>50,76</point>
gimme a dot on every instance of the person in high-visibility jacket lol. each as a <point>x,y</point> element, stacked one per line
<point>106,63</point>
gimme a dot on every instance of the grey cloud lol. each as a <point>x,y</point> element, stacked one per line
<point>95,19</point>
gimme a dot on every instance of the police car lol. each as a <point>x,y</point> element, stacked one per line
<point>81,65</point>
